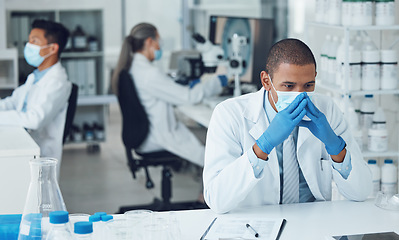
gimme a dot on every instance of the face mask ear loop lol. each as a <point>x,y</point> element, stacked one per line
<point>274,90</point>
<point>47,55</point>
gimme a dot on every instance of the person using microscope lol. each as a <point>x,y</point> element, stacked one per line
<point>158,94</point>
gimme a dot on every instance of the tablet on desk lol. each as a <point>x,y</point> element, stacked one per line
<point>369,236</point>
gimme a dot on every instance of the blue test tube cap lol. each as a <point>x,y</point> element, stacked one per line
<point>368,95</point>
<point>388,161</point>
<point>106,218</point>
<point>95,218</point>
<point>83,227</point>
<point>372,161</point>
<point>59,217</point>
<point>100,213</point>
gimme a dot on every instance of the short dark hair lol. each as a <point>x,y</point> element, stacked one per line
<point>54,33</point>
<point>291,51</point>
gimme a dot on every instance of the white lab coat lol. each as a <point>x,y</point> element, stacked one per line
<point>229,180</point>
<point>159,93</point>
<point>45,111</point>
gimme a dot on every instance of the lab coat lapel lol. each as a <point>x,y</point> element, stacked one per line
<point>255,113</point>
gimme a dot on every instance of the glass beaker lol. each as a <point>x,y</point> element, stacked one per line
<point>136,220</point>
<point>44,196</point>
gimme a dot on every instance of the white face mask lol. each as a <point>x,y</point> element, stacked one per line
<point>285,98</point>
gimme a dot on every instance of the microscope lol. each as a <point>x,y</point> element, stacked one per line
<point>212,55</point>
<point>237,63</point>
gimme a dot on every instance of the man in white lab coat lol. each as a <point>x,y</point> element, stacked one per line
<point>282,144</point>
<point>40,104</point>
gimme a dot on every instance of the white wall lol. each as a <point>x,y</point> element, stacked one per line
<point>165,15</point>
<point>3,36</point>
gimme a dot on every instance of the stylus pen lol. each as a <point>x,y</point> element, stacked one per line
<point>207,230</point>
<point>252,229</point>
<point>281,229</point>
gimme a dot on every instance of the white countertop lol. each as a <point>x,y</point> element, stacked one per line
<point>305,220</point>
<point>15,142</point>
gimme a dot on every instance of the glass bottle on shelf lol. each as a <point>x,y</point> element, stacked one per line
<point>79,39</point>
<point>93,44</point>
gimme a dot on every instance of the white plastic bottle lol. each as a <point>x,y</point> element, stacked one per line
<point>325,11</point>
<point>97,226</point>
<point>354,123</point>
<point>370,66</point>
<point>324,59</point>
<point>389,177</point>
<point>354,77</point>
<point>384,12</point>
<point>346,12</point>
<point>83,231</point>
<point>389,69</point>
<point>367,111</point>
<point>376,172</point>
<point>378,134</point>
<point>106,230</point>
<point>59,226</point>
<point>379,120</point>
<point>332,59</point>
<point>334,12</point>
<point>340,60</point>
<point>377,140</point>
<point>319,11</point>
<point>362,13</point>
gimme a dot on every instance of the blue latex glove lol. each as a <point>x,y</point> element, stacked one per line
<point>283,124</point>
<point>194,82</point>
<point>223,80</point>
<point>320,127</point>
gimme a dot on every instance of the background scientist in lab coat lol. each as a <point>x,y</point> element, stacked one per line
<point>40,104</point>
<point>159,93</point>
<point>248,161</point>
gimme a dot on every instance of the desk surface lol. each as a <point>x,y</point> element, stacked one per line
<point>200,113</point>
<point>16,142</point>
<point>305,220</point>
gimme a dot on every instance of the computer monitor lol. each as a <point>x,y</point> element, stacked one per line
<point>259,32</point>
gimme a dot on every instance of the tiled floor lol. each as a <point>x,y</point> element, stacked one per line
<point>92,182</point>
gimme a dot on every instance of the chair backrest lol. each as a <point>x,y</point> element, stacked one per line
<point>135,123</point>
<point>72,101</point>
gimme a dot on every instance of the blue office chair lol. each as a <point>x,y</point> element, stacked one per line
<point>135,128</point>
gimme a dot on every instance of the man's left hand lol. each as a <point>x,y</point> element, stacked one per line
<point>320,127</point>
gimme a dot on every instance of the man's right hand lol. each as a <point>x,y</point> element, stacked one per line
<point>283,124</point>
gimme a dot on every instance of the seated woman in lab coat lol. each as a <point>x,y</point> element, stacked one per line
<point>39,105</point>
<point>261,150</point>
<point>158,94</point>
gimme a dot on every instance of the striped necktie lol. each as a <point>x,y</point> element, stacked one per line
<point>290,171</point>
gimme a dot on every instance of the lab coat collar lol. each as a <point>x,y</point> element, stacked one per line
<point>255,106</point>
<point>53,71</point>
<point>140,57</point>
<point>255,113</point>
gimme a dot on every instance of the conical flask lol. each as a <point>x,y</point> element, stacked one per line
<point>44,196</point>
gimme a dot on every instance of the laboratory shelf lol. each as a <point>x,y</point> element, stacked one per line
<point>355,28</point>
<point>368,154</point>
<point>8,86</point>
<point>81,54</point>
<point>96,100</point>
<point>335,89</point>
